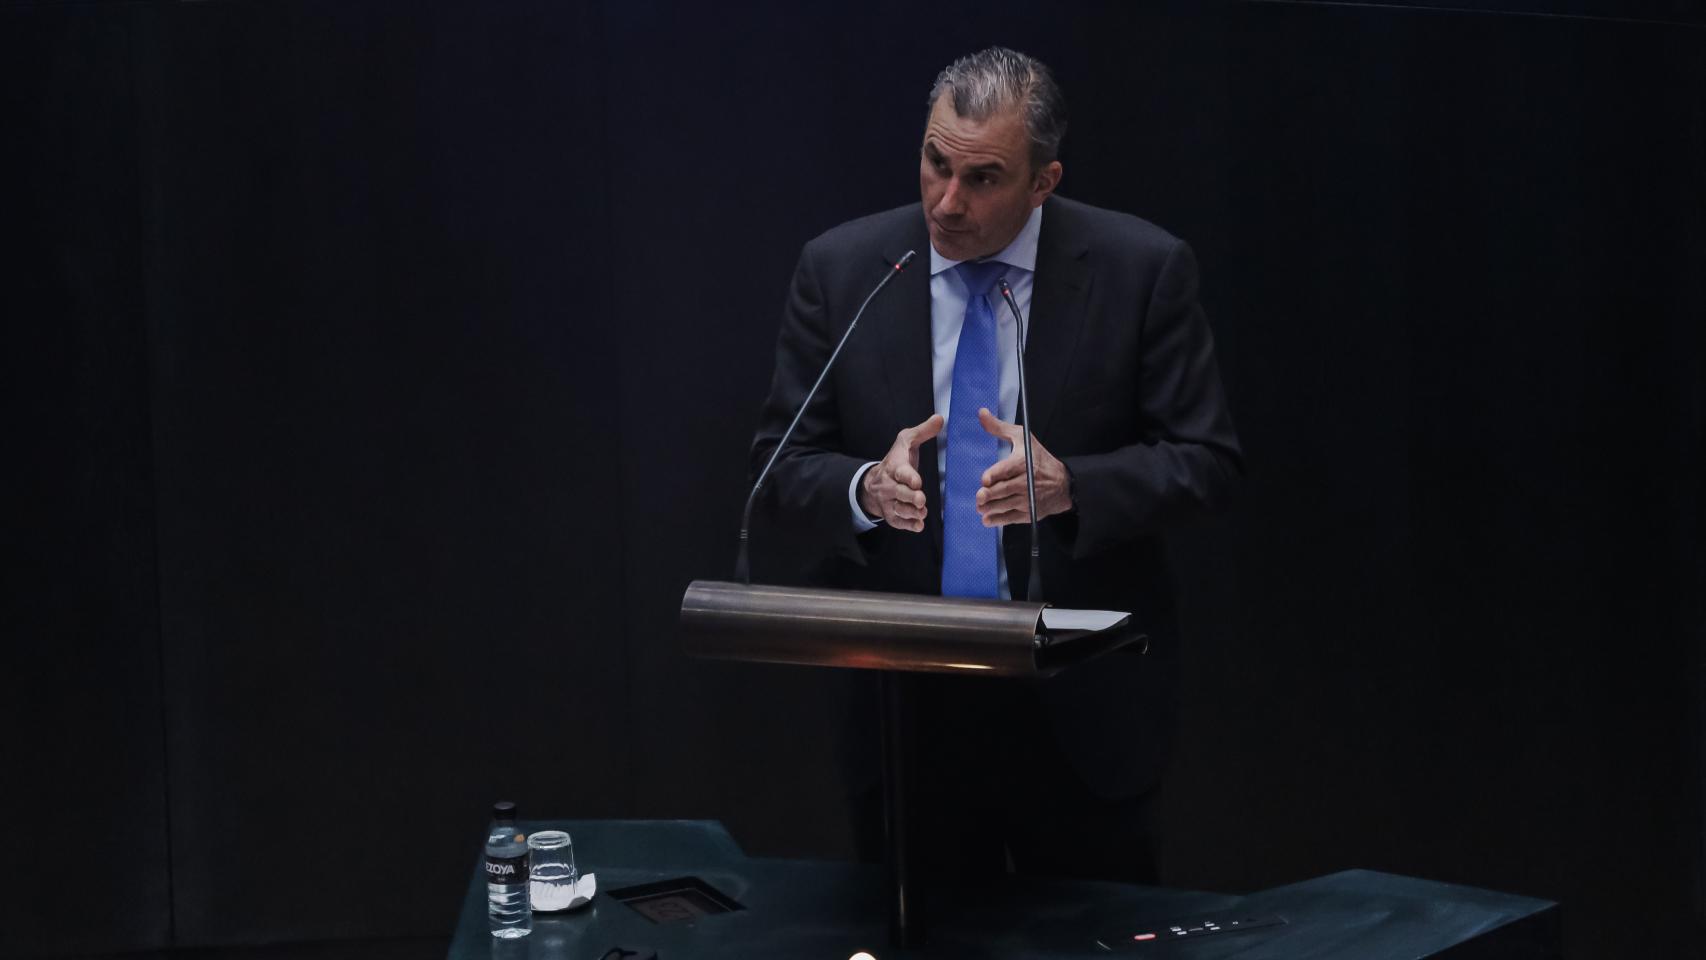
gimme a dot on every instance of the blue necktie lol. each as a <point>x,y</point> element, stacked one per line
<point>969,548</point>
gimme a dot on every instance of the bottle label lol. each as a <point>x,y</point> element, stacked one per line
<point>506,870</point>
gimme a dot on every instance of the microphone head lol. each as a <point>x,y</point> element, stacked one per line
<point>904,260</point>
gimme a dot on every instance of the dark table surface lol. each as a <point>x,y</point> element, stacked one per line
<point>829,910</point>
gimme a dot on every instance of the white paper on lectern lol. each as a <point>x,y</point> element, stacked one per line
<point>1055,618</point>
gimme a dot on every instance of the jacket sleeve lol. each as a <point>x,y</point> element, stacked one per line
<point>1188,459</point>
<point>807,487</point>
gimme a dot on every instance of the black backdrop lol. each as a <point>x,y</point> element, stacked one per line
<point>381,372</point>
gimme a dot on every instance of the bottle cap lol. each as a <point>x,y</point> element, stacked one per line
<point>503,810</point>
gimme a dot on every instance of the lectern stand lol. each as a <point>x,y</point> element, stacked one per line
<point>897,634</point>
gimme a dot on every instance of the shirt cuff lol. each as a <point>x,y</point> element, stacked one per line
<point>861,522</point>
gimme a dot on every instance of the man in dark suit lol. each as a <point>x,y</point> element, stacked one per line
<point>906,472</point>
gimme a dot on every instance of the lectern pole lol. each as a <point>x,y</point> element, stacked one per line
<point>906,922</point>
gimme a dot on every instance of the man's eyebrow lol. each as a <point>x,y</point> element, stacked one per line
<point>935,153</point>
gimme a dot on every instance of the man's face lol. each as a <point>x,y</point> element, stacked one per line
<point>977,182</point>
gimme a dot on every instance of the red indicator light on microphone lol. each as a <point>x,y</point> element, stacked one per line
<point>1144,936</point>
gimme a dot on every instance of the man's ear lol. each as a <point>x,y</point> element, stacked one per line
<point>1046,180</point>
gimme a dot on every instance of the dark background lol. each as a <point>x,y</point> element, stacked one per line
<point>379,374</point>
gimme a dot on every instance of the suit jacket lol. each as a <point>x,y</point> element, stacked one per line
<point>1123,388</point>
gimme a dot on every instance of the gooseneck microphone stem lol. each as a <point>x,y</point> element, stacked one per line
<point>743,567</point>
<point>1033,589</point>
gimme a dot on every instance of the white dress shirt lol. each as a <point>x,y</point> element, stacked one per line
<point>948,297</point>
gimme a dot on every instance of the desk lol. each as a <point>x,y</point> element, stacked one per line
<point>822,910</point>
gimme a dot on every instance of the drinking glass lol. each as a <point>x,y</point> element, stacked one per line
<point>552,875</point>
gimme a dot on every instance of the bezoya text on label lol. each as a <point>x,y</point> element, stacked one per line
<point>506,869</point>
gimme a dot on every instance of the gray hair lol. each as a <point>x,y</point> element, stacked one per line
<point>997,79</point>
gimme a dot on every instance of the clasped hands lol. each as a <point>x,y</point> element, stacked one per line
<point>893,489</point>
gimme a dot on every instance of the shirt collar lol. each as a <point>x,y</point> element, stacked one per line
<point>1021,253</point>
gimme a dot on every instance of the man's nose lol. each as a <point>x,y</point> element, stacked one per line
<point>952,203</point>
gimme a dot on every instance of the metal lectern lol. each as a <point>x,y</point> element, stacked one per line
<point>898,634</point>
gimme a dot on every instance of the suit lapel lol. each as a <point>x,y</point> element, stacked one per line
<point>907,352</point>
<point>1059,298</point>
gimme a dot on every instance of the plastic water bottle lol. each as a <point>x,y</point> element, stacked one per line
<point>506,876</point>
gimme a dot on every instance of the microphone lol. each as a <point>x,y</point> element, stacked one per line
<point>743,569</point>
<point>1034,589</point>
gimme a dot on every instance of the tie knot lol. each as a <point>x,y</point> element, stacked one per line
<point>980,276</point>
